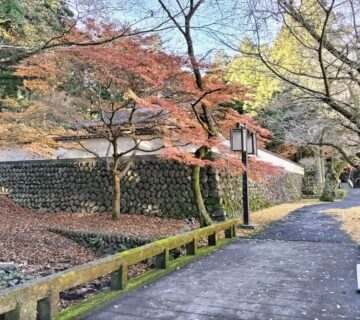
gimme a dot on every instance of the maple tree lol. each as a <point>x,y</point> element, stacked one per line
<point>130,76</point>
<point>120,82</point>
<point>210,91</point>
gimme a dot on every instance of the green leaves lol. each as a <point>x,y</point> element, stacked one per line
<point>11,10</point>
<point>247,69</point>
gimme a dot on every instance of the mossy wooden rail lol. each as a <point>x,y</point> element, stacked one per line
<point>39,299</point>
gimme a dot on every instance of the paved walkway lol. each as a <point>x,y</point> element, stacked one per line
<point>300,268</point>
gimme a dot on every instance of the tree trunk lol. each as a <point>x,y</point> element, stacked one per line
<point>329,191</point>
<point>204,217</point>
<point>116,195</point>
<point>321,169</point>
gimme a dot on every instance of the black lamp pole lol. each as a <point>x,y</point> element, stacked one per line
<point>245,189</point>
<point>246,144</point>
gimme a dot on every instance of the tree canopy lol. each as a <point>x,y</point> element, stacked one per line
<point>25,22</point>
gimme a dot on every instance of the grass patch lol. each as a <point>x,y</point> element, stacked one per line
<point>341,193</point>
<point>350,221</point>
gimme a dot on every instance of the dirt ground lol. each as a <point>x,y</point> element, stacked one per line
<point>26,241</point>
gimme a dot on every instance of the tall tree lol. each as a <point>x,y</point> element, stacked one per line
<point>326,34</point>
<point>247,70</point>
<point>211,93</point>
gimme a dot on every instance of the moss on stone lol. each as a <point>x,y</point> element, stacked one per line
<point>341,193</point>
<point>211,201</point>
<point>258,202</point>
<point>232,208</point>
<point>79,309</point>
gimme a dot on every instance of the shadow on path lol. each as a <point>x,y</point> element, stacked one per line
<point>302,267</point>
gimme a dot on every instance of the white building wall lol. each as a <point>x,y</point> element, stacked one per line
<point>276,160</point>
<point>17,154</point>
<point>101,148</point>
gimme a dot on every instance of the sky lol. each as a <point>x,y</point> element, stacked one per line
<point>207,22</point>
<point>224,19</point>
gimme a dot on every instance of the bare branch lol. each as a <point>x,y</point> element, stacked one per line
<point>347,158</point>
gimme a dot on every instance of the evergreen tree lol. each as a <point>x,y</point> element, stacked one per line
<point>26,23</point>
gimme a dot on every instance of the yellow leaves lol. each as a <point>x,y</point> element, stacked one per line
<point>286,56</point>
<point>289,54</point>
<point>31,138</point>
<point>32,129</point>
<point>37,84</point>
<point>249,71</point>
<point>131,94</point>
<point>10,103</point>
<point>31,35</point>
<point>40,73</point>
<point>7,35</point>
<point>350,219</point>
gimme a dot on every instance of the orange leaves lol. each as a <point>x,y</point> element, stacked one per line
<point>125,60</point>
<point>34,127</point>
<point>40,72</point>
<point>221,92</point>
<point>131,72</point>
<point>226,162</point>
<point>260,170</point>
<point>231,118</point>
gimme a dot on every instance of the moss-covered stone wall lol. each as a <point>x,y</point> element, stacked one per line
<point>103,244</point>
<point>272,190</point>
<point>151,187</point>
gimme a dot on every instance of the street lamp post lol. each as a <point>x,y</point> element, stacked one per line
<point>244,141</point>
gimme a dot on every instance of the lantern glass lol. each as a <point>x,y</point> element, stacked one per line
<point>255,144</point>
<point>243,140</point>
<point>236,139</point>
<point>252,143</point>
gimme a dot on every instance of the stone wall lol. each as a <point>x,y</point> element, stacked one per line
<point>103,244</point>
<point>270,191</point>
<point>151,187</point>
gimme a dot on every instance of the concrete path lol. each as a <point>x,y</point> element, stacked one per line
<point>303,267</point>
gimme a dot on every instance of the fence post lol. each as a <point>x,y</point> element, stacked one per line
<point>119,278</point>
<point>47,309</point>
<point>191,248</point>
<point>212,239</point>
<point>231,232</point>
<point>162,260</point>
<point>26,310</point>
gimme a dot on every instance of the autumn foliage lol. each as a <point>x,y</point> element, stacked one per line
<point>132,74</point>
<point>149,78</point>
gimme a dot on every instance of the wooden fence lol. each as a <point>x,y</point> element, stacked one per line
<point>38,299</point>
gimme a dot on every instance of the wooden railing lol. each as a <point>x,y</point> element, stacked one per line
<point>39,299</point>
